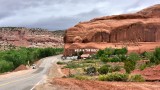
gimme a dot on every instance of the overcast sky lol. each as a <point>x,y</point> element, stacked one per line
<point>62,14</point>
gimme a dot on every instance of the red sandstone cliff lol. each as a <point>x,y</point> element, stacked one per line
<point>26,37</point>
<point>143,26</point>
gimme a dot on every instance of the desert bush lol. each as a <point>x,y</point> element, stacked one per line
<point>90,70</point>
<point>114,69</point>
<point>60,63</point>
<point>136,78</point>
<point>104,69</point>
<point>109,51</point>
<point>114,77</point>
<point>129,65</point>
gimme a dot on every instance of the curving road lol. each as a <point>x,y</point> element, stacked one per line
<point>30,80</point>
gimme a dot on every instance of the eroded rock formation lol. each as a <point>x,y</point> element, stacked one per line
<point>143,26</point>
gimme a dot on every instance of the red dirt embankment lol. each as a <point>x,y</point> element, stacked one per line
<point>21,67</point>
<point>150,74</point>
<point>72,84</point>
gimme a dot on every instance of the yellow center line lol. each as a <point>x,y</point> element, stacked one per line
<point>16,81</point>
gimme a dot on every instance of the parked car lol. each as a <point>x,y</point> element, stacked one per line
<point>34,66</point>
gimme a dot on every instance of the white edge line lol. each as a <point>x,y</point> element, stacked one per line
<point>36,84</point>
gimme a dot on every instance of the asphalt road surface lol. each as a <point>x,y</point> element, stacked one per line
<point>30,80</point>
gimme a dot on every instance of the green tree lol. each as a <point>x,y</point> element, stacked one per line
<point>109,51</point>
<point>100,53</point>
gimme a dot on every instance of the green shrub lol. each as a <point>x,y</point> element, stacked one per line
<point>157,53</point>
<point>129,65</point>
<point>136,78</point>
<point>134,57</point>
<point>122,51</point>
<point>147,55</point>
<point>117,77</point>
<point>104,59</point>
<point>104,69</point>
<point>154,60</point>
<point>142,67</point>
<point>115,59</point>
<point>90,70</point>
<point>122,57</point>
<point>114,77</point>
<point>102,78</point>
<point>130,62</point>
<point>156,56</point>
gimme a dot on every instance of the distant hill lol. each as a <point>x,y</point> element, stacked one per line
<point>59,33</point>
<point>30,37</point>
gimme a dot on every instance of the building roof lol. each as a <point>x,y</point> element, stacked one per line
<point>85,55</point>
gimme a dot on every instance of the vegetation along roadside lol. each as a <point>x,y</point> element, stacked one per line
<point>11,59</point>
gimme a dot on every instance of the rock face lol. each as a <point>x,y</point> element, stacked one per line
<point>143,26</point>
<point>20,36</point>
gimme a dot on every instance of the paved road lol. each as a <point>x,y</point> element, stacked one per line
<point>30,80</point>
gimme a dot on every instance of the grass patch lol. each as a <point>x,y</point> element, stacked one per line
<point>136,78</point>
<point>73,65</point>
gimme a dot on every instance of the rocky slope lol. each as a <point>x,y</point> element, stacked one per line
<point>25,37</point>
<point>143,26</point>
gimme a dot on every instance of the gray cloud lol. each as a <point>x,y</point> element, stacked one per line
<point>62,14</point>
